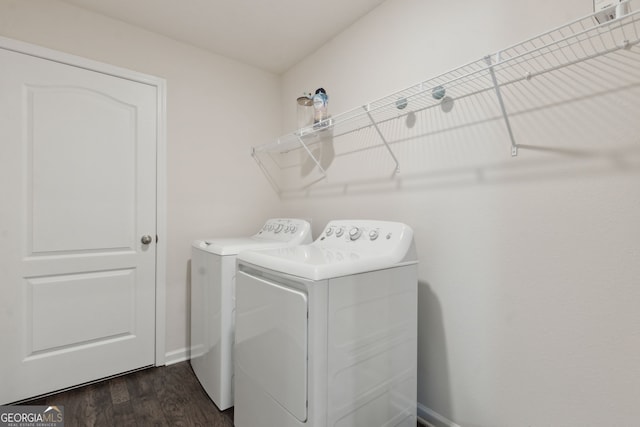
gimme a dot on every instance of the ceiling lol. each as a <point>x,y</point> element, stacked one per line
<point>270,34</point>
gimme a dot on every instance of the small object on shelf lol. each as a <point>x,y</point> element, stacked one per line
<point>607,10</point>
<point>320,115</point>
<point>305,111</point>
<point>305,99</point>
<point>402,103</point>
<point>622,8</point>
<point>438,92</point>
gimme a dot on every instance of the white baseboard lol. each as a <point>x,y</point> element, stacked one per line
<point>177,356</point>
<point>432,418</point>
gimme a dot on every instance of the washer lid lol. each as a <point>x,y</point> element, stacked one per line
<point>344,248</point>
<point>233,245</point>
<point>276,233</point>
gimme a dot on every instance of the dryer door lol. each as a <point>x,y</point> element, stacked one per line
<point>271,344</point>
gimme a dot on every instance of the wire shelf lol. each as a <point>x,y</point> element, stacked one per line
<point>575,42</point>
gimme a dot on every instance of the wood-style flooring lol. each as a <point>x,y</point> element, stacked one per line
<point>164,396</point>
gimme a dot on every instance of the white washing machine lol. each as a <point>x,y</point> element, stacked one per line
<point>326,333</point>
<point>213,271</point>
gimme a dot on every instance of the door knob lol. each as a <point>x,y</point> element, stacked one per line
<point>146,239</point>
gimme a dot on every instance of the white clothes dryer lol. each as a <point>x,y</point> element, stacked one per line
<point>326,333</point>
<point>213,272</point>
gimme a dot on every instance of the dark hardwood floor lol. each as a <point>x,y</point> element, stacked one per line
<point>163,396</point>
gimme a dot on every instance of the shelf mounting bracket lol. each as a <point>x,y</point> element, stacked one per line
<point>324,173</point>
<point>384,140</point>
<point>514,146</point>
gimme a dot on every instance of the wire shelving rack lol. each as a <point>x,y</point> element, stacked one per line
<point>581,40</point>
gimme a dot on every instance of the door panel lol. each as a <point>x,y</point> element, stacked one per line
<point>108,316</point>
<point>272,342</point>
<point>78,179</point>
<point>103,138</point>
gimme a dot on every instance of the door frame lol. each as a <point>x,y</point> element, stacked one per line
<point>161,163</point>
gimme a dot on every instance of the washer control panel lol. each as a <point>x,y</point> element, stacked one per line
<point>282,228</point>
<point>364,235</point>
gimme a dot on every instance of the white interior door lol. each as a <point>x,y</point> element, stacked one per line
<point>78,186</point>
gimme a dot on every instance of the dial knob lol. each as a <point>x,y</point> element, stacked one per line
<point>339,231</point>
<point>292,229</point>
<point>373,234</point>
<point>329,231</point>
<point>278,228</point>
<point>355,233</point>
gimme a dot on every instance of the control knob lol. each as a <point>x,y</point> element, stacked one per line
<point>355,233</point>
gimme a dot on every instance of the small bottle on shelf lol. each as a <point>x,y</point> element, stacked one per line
<point>320,115</point>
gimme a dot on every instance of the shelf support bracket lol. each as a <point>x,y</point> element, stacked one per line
<point>324,173</point>
<point>514,146</point>
<point>384,140</point>
<point>265,171</point>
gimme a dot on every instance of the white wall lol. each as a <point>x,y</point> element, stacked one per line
<point>211,124</point>
<point>529,266</point>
